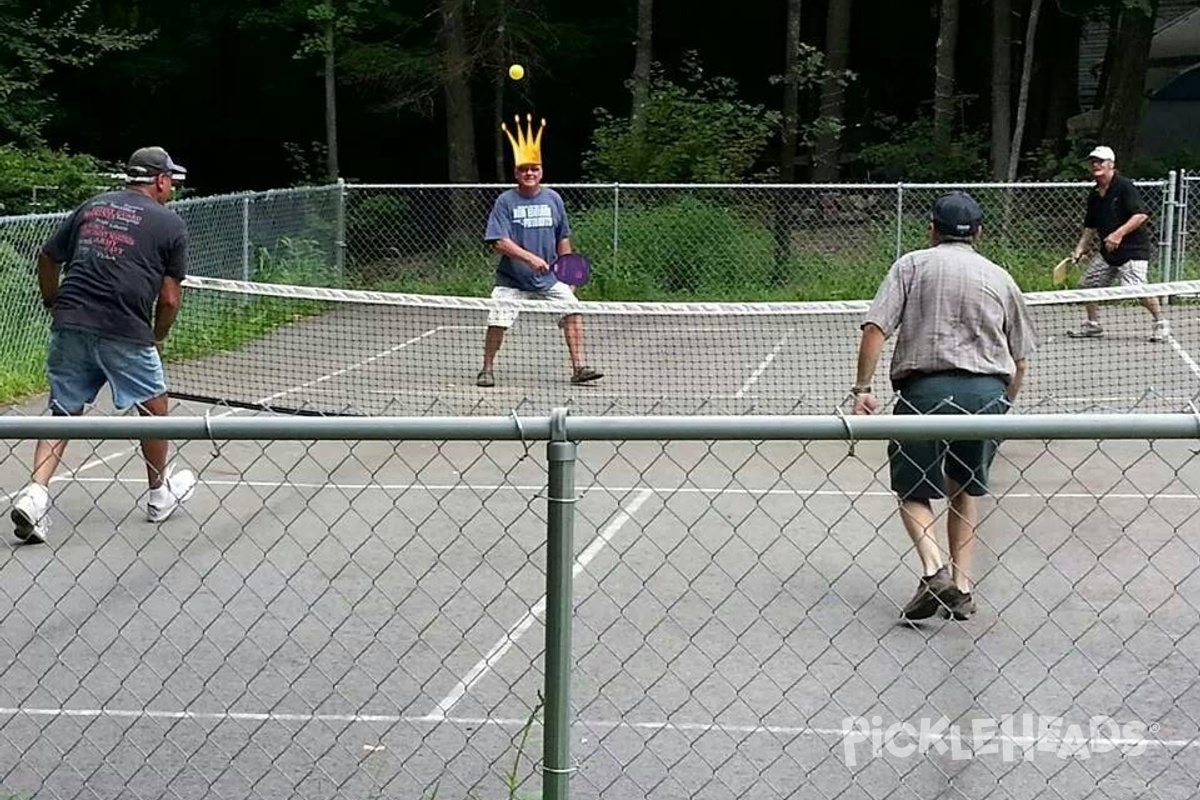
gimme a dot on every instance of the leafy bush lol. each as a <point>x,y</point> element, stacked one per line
<point>70,178</point>
<point>911,153</point>
<point>697,131</point>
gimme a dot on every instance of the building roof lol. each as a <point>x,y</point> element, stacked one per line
<point>1178,38</point>
<point>1094,41</point>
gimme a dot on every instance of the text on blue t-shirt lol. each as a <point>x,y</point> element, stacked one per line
<point>535,223</point>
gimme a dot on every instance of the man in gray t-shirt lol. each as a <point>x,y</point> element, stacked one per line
<point>963,336</point>
<point>528,228</point>
<point>111,275</point>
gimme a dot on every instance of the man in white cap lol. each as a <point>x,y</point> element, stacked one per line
<point>1116,217</point>
<point>111,277</point>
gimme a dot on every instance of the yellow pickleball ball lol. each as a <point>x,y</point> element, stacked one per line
<point>516,72</point>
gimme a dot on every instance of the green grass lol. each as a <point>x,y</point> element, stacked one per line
<point>208,323</point>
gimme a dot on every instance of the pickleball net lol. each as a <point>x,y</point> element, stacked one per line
<point>323,351</point>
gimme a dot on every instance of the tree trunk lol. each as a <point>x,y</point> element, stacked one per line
<point>833,94</point>
<point>791,92</point>
<point>464,217</point>
<point>460,132</point>
<point>501,58</point>
<point>643,58</point>
<point>781,207</point>
<point>331,142</point>
<point>943,89</point>
<point>1126,81</point>
<point>1110,52</point>
<point>1014,156</point>
<point>1060,56</point>
<point>1001,87</point>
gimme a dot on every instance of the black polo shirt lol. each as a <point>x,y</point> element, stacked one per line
<point>1107,213</point>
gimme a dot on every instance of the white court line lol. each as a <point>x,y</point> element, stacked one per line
<point>1092,743</point>
<point>131,450</point>
<point>505,643</point>
<point>364,363</point>
<point>662,490</point>
<point>1187,358</point>
<point>762,367</point>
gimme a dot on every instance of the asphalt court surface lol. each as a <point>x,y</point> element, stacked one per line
<point>345,619</point>
<point>413,361</point>
<point>356,619</point>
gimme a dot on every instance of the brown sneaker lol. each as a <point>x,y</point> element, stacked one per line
<point>585,375</point>
<point>959,604</point>
<point>485,378</point>
<point>928,597</point>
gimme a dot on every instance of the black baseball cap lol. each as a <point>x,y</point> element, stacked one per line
<point>957,214</point>
<point>147,163</point>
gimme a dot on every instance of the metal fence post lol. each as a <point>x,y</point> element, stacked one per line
<point>1181,224</point>
<point>616,232</point>
<point>339,233</point>
<point>899,219</point>
<point>560,553</point>
<point>1168,237</point>
<point>246,273</point>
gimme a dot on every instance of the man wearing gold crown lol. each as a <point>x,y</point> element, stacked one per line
<point>528,228</point>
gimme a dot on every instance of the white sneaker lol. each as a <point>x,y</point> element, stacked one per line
<point>1162,329</point>
<point>1088,329</point>
<point>30,513</point>
<point>176,488</point>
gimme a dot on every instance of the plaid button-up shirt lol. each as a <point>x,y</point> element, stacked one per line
<point>950,308</point>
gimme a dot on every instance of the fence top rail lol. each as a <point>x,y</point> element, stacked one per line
<point>561,426</point>
<point>46,216</point>
<point>757,186</point>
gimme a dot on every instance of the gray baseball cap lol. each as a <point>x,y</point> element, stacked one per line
<point>147,163</point>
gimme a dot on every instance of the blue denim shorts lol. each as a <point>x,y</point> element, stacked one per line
<point>79,363</point>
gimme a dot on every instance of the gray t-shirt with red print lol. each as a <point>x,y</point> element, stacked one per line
<point>116,248</point>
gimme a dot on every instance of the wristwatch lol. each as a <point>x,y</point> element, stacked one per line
<point>47,303</point>
<point>861,390</point>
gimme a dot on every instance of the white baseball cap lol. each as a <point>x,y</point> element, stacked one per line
<point>1103,153</point>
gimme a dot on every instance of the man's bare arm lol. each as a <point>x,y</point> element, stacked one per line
<point>49,273</point>
<point>170,297</point>
<point>511,249</point>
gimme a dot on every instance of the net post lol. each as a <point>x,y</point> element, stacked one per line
<point>560,549</point>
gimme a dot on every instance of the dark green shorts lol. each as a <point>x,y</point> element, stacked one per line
<point>919,469</point>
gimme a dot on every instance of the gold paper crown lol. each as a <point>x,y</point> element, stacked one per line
<point>527,148</point>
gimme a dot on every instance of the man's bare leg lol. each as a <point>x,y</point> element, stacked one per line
<point>155,451</point>
<point>572,327</point>
<point>920,524</point>
<point>47,455</point>
<point>491,345</point>
<point>1152,305</point>
<point>961,529</point>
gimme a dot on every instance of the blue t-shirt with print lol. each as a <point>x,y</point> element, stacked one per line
<point>535,223</point>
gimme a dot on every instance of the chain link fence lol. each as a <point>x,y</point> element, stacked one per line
<point>1188,260</point>
<point>286,236</point>
<point>648,243</point>
<point>599,607</point>
<point>722,242</point>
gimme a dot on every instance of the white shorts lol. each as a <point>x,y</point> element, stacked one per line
<point>1100,273</point>
<point>504,315</point>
